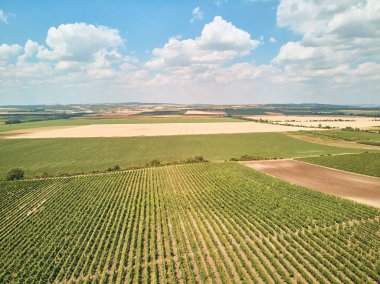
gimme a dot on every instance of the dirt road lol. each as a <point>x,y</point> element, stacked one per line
<point>351,186</point>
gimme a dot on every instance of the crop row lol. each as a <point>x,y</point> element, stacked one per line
<point>184,223</point>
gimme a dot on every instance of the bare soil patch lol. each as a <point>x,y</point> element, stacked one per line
<point>154,129</point>
<point>351,186</point>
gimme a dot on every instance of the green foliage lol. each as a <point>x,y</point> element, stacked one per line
<point>114,168</point>
<point>200,222</point>
<point>364,163</point>
<point>12,121</point>
<point>373,143</point>
<point>154,163</point>
<point>14,174</point>
<point>249,158</point>
<point>196,159</point>
<point>73,155</point>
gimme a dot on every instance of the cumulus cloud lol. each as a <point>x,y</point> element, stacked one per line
<point>78,42</point>
<point>197,14</point>
<point>74,54</point>
<point>297,52</point>
<point>339,41</point>
<point>31,49</point>
<point>8,52</point>
<point>337,54</point>
<point>350,29</point>
<point>219,42</point>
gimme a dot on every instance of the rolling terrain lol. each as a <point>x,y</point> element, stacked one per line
<point>76,155</point>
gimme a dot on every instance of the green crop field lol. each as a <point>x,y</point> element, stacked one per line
<point>353,136</point>
<point>364,163</point>
<point>73,155</point>
<point>208,222</point>
<point>74,122</point>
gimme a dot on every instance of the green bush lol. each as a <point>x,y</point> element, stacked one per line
<point>154,163</point>
<point>15,174</point>
<point>248,158</point>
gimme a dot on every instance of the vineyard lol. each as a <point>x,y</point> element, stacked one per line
<point>361,137</point>
<point>364,163</point>
<point>217,222</point>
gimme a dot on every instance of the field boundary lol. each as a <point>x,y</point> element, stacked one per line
<point>331,142</point>
<point>361,189</point>
<point>343,171</point>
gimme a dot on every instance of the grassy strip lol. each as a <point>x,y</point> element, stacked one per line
<point>373,143</point>
<point>73,155</point>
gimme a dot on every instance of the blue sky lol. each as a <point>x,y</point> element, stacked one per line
<point>189,51</point>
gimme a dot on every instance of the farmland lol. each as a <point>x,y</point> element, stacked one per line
<point>214,222</point>
<point>148,129</point>
<point>359,188</point>
<point>57,156</point>
<point>362,137</point>
<point>131,120</point>
<point>364,163</point>
<point>319,121</point>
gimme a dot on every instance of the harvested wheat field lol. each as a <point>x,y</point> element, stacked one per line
<point>323,121</point>
<point>150,129</point>
<point>351,186</point>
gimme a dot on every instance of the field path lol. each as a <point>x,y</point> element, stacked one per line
<point>351,186</point>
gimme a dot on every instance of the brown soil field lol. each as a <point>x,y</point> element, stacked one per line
<point>153,129</point>
<point>356,187</point>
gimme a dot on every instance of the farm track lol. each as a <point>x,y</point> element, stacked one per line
<point>208,222</point>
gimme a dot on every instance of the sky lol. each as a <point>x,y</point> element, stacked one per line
<point>201,51</point>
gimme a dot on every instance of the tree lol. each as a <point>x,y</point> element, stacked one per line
<point>15,174</point>
<point>199,158</point>
<point>154,163</point>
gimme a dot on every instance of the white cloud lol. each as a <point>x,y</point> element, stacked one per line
<point>310,16</point>
<point>3,17</point>
<point>336,55</point>
<point>78,42</point>
<point>31,49</point>
<point>219,42</point>
<point>8,52</point>
<point>197,14</point>
<point>296,52</point>
<point>349,28</point>
<point>338,39</point>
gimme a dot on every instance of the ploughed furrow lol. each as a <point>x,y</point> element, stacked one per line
<point>193,223</point>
